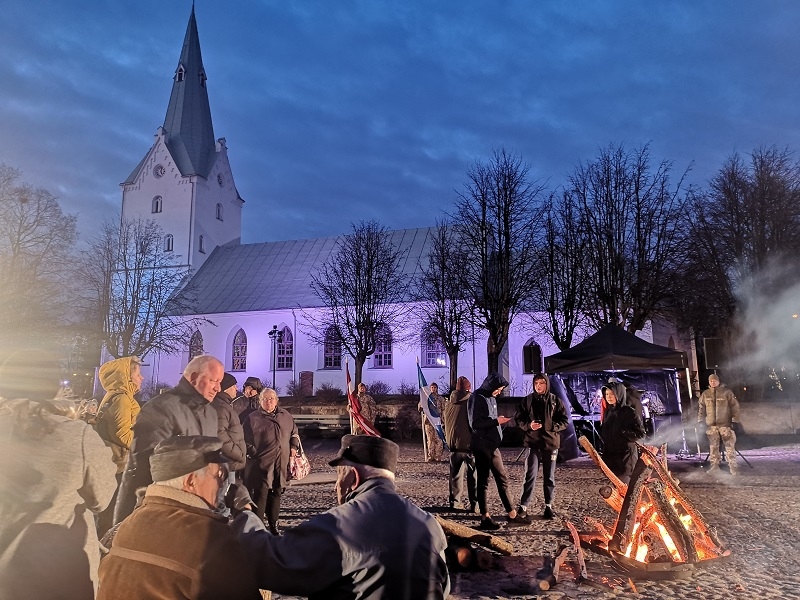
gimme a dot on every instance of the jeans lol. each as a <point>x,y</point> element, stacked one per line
<point>548,459</point>
<point>462,466</point>
<point>486,462</point>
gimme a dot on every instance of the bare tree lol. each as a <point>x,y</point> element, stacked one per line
<point>496,219</point>
<point>443,304</point>
<point>562,298</point>
<point>36,244</point>
<point>363,288</point>
<point>634,221</point>
<point>745,248</point>
<point>130,284</point>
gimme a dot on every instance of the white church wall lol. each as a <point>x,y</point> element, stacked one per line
<point>218,341</point>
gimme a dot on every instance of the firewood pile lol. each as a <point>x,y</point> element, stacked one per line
<point>658,533</point>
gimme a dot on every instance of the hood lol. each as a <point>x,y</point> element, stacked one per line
<point>620,391</point>
<point>492,382</point>
<point>115,376</point>
<point>546,378</point>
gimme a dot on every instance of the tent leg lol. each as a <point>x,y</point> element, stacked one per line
<point>684,451</point>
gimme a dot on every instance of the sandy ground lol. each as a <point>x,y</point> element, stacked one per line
<point>756,515</point>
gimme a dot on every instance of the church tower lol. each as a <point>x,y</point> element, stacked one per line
<point>184,182</point>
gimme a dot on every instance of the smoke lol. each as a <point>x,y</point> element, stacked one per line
<point>769,322</point>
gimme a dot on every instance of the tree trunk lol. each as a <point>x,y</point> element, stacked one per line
<point>358,372</point>
<point>492,357</point>
<point>453,357</point>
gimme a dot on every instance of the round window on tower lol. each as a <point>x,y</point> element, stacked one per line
<point>159,171</point>
<point>220,180</point>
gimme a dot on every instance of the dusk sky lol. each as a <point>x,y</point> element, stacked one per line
<point>338,111</point>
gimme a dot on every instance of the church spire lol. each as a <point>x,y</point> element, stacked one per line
<point>190,133</point>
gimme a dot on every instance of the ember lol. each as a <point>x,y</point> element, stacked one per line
<point>658,533</point>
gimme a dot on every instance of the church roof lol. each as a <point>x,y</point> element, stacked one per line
<point>277,275</point>
<point>188,126</point>
<point>188,120</point>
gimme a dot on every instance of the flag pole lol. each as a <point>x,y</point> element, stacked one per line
<point>422,419</point>
<point>349,405</point>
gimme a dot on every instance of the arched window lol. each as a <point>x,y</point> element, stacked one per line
<point>383,348</point>
<point>202,244</point>
<point>157,204</point>
<point>532,357</point>
<point>433,352</point>
<point>168,241</point>
<point>219,212</point>
<point>195,345</point>
<point>239,354</point>
<point>285,350</point>
<point>332,350</point>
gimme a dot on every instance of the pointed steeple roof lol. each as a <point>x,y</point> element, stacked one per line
<point>188,122</point>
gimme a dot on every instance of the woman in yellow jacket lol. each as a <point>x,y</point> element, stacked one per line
<point>121,379</point>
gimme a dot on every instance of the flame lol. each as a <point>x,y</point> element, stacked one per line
<point>673,549</point>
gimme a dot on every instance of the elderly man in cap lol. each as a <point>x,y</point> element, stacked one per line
<point>375,544</point>
<point>175,545</point>
<point>184,410</point>
<point>229,428</point>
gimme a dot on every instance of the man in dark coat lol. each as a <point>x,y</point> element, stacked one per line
<point>375,544</point>
<point>247,401</point>
<point>175,545</point>
<point>271,437</point>
<point>229,428</point>
<point>184,410</point>
<point>620,429</point>
<point>487,433</point>
<point>541,415</point>
<point>459,438</point>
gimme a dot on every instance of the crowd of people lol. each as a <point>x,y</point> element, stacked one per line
<point>202,460</point>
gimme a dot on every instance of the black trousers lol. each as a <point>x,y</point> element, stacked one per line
<point>486,462</point>
<point>268,503</point>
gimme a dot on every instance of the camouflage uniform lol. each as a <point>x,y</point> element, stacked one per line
<point>719,409</point>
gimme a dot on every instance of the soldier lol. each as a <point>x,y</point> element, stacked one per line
<point>719,409</point>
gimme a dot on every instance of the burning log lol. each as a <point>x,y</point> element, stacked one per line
<point>590,450</point>
<point>628,522</point>
<point>697,519</point>
<point>658,533</point>
<point>473,535</point>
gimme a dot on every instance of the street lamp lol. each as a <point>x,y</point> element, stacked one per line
<point>276,336</point>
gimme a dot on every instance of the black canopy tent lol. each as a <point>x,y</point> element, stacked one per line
<point>612,349</point>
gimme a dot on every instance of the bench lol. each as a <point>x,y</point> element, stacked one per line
<point>323,425</point>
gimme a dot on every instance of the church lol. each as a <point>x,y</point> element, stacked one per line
<point>257,297</point>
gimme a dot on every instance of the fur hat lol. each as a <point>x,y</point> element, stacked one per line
<point>713,377</point>
<point>368,450</point>
<point>255,383</point>
<point>183,454</point>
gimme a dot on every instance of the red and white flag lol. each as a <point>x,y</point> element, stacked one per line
<point>355,407</point>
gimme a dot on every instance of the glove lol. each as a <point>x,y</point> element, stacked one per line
<point>237,498</point>
<point>737,428</point>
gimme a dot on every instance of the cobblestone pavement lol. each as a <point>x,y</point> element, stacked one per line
<point>757,516</point>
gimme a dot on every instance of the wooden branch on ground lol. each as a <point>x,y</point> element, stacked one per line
<point>477,537</point>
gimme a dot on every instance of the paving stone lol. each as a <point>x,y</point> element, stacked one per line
<point>755,516</point>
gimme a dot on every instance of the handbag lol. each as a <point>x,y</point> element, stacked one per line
<point>299,466</point>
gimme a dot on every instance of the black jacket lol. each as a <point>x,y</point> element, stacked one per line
<point>482,411</point>
<point>621,425</point>
<point>548,409</point>
<point>229,430</point>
